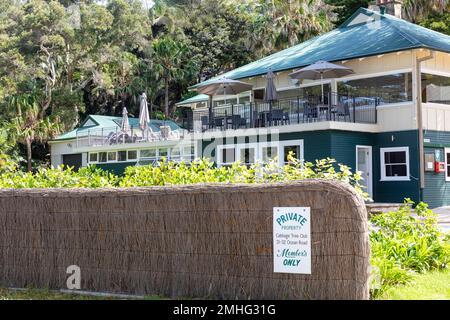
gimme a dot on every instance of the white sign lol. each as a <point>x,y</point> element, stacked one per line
<point>292,240</point>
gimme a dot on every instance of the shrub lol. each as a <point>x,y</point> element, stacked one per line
<point>403,244</point>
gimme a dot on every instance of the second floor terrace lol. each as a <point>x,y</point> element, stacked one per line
<point>287,111</point>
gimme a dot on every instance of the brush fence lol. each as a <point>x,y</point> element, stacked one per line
<point>208,241</point>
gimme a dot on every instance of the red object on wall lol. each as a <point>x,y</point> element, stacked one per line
<point>439,167</point>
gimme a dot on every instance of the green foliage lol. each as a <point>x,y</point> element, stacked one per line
<point>403,244</point>
<point>345,8</point>
<point>438,22</point>
<point>172,173</point>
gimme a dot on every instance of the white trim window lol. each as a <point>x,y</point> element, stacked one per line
<point>93,157</point>
<point>247,153</point>
<point>394,164</point>
<point>296,146</point>
<point>268,151</point>
<point>226,155</point>
<point>447,164</point>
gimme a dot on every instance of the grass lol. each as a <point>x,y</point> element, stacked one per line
<point>430,286</point>
<point>434,285</point>
<point>43,294</point>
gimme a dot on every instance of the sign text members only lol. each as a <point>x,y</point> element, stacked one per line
<point>292,240</point>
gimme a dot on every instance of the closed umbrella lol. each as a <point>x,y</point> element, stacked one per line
<point>125,123</point>
<point>221,86</point>
<point>270,94</point>
<point>321,70</point>
<point>144,116</point>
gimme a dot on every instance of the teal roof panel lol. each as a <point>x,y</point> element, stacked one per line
<point>194,99</point>
<point>365,33</point>
<point>111,123</point>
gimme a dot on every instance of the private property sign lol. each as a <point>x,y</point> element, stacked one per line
<point>292,240</point>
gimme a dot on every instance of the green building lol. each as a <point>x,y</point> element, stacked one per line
<point>390,119</point>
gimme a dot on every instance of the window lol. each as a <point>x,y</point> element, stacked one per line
<point>393,88</point>
<point>163,152</point>
<point>93,157</point>
<point>175,153</point>
<point>447,164</point>
<point>435,89</point>
<point>247,155</point>
<point>268,153</point>
<point>188,153</point>
<point>394,164</point>
<point>121,156</point>
<point>132,155</point>
<point>148,153</point>
<point>316,91</point>
<point>226,155</point>
<point>296,146</point>
<point>112,156</point>
<point>102,157</point>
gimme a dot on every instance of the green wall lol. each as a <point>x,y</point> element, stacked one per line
<point>437,190</point>
<point>118,167</point>
<point>341,145</point>
<point>396,191</point>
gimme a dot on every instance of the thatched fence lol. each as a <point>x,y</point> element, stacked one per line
<point>209,241</point>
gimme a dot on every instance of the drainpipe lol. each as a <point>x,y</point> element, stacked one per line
<point>420,117</point>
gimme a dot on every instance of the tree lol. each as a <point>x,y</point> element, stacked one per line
<point>345,8</point>
<point>438,22</point>
<point>417,10</point>
<point>27,125</point>
<point>168,56</point>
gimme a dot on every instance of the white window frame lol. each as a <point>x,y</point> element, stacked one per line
<point>89,157</point>
<point>383,165</point>
<point>286,143</point>
<point>219,154</point>
<point>447,165</point>
<point>262,145</point>
<point>240,146</point>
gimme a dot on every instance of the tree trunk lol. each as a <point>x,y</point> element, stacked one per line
<point>166,105</point>
<point>28,142</point>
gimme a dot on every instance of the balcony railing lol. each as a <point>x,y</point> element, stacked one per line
<point>115,136</point>
<point>287,111</point>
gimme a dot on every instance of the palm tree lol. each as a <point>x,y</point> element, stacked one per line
<point>416,10</point>
<point>168,55</point>
<point>27,126</point>
<point>288,22</point>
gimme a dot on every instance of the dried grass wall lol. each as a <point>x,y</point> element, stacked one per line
<point>210,241</point>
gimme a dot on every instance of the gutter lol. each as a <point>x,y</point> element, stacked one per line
<point>420,116</point>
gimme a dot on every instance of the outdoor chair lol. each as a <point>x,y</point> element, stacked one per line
<point>205,123</point>
<point>218,122</point>
<point>286,118</point>
<point>276,116</point>
<point>257,121</point>
<point>341,110</point>
<point>310,112</point>
<point>237,121</point>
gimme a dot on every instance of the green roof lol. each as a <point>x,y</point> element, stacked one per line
<point>365,33</point>
<point>194,99</point>
<point>109,123</point>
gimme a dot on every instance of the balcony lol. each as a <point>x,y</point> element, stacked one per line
<point>295,110</point>
<point>113,136</point>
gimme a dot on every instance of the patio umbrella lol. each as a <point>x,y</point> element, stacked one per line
<point>321,70</point>
<point>144,116</point>
<point>221,86</point>
<point>270,94</point>
<point>125,123</point>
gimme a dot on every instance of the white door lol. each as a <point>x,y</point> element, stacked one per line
<point>364,164</point>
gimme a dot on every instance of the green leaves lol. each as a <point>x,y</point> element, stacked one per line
<point>407,241</point>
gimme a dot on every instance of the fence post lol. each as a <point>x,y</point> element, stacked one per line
<point>298,109</point>
<point>376,110</point>
<point>354,109</point>
<point>251,115</point>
